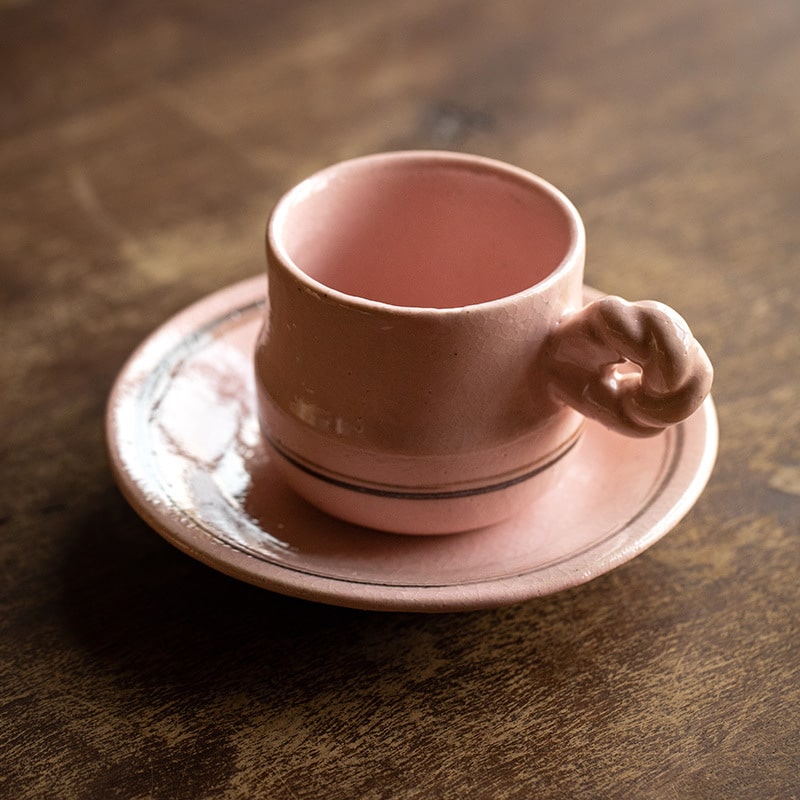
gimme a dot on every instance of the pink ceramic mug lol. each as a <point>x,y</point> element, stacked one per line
<point>427,362</point>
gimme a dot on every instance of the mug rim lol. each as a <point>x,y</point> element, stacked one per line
<point>577,233</point>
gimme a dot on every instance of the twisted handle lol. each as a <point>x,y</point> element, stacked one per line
<point>635,367</point>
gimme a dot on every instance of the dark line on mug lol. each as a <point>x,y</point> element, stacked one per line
<point>406,495</point>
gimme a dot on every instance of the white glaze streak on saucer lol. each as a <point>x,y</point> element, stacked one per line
<point>186,451</point>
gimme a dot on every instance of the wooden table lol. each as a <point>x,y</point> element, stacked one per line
<point>143,144</point>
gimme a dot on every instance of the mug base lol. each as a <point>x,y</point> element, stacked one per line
<point>419,513</point>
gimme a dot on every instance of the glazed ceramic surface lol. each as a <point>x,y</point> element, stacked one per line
<point>186,450</point>
<point>426,364</point>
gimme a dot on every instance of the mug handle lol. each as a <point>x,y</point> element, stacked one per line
<point>634,367</point>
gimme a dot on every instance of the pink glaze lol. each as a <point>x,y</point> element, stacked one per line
<point>426,364</point>
<point>185,448</point>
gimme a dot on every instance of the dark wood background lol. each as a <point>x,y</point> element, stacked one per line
<point>143,144</point>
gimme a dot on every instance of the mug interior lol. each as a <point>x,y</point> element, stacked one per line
<point>424,231</point>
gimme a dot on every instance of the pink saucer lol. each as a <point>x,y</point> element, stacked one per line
<point>186,451</point>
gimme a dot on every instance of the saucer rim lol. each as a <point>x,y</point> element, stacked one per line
<point>701,430</point>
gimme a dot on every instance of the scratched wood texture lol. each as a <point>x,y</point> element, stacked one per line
<point>142,144</point>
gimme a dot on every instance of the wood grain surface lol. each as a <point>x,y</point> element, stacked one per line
<point>142,145</point>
